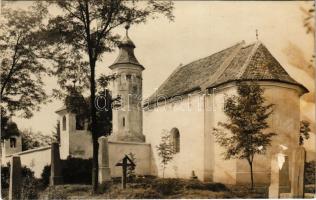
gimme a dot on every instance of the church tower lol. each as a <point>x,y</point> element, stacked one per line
<point>128,118</point>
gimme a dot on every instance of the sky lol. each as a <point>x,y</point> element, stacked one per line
<point>200,29</point>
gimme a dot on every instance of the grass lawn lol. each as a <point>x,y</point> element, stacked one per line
<point>153,189</point>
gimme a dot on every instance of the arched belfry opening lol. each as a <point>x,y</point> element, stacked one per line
<point>64,123</point>
<point>175,137</point>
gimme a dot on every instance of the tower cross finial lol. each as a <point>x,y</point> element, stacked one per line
<point>257,34</point>
<point>127,26</point>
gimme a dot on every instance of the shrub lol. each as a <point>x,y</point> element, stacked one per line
<point>74,170</point>
<point>167,186</point>
<point>45,176</point>
<point>77,170</point>
<point>30,185</point>
<point>310,172</point>
<point>5,177</point>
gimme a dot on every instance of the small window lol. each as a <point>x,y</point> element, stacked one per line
<point>12,142</point>
<point>175,137</point>
<point>64,123</point>
<point>79,123</point>
<point>134,89</point>
<point>123,121</point>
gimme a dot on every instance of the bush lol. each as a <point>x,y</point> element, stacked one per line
<point>5,177</point>
<point>74,170</point>
<point>198,185</point>
<point>77,170</point>
<point>30,185</point>
<point>167,186</point>
<point>310,172</point>
<point>45,176</point>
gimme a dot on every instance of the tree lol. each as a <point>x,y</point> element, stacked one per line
<point>56,133</point>
<point>21,60</point>
<point>304,131</point>
<point>81,35</point>
<point>165,150</point>
<point>31,139</point>
<point>247,115</point>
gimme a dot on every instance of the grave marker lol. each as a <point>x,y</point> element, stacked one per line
<point>15,178</point>
<point>126,162</point>
<point>104,169</point>
<point>55,174</point>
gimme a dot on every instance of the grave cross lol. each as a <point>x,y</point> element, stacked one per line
<point>126,162</point>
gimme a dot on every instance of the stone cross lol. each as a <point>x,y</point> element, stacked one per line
<point>55,173</point>
<point>104,169</point>
<point>274,183</point>
<point>297,186</point>
<point>15,178</point>
<point>126,161</point>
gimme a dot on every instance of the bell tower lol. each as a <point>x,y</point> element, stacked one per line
<point>128,118</point>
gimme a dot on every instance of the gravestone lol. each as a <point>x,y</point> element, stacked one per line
<point>274,183</point>
<point>297,188</point>
<point>193,176</point>
<point>284,176</point>
<point>126,162</point>
<point>15,178</point>
<point>104,169</point>
<point>55,173</point>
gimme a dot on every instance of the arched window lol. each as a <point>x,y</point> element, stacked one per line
<point>123,121</point>
<point>175,137</point>
<point>12,142</point>
<point>79,123</point>
<point>64,123</point>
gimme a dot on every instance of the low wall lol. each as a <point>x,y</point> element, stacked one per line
<point>141,151</point>
<point>35,159</point>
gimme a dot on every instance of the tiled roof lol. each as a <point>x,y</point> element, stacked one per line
<point>239,62</point>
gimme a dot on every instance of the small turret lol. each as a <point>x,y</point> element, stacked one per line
<point>127,120</point>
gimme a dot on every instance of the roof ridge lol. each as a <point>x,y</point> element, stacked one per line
<point>222,68</point>
<point>246,63</point>
<point>184,65</point>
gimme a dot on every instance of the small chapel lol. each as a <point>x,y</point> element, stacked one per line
<point>188,105</point>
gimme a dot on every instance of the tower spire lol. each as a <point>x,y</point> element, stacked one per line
<point>257,35</point>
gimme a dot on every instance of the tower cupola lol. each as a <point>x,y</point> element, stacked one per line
<point>126,52</point>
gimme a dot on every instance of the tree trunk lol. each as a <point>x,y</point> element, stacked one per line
<point>95,164</point>
<point>251,175</point>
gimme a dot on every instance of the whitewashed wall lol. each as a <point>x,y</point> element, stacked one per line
<point>187,115</point>
<point>35,159</point>
<point>141,151</point>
